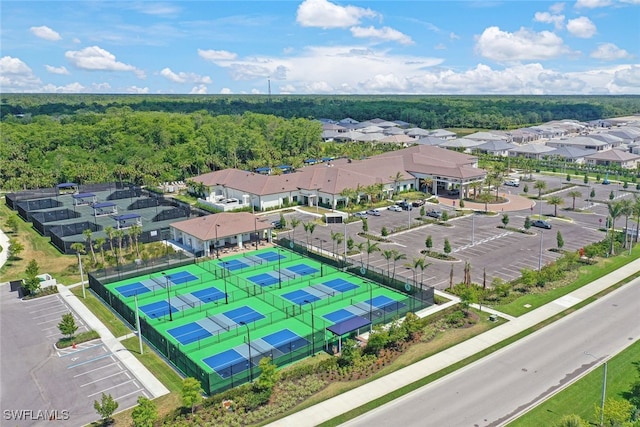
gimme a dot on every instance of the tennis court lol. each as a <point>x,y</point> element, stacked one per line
<point>227,314</point>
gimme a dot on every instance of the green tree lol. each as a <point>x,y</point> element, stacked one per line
<point>88,234</point>
<point>11,224</point>
<point>571,421</point>
<point>615,210</point>
<point>384,232</point>
<point>396,256</point>
<point>555,201</point>
<point>505,219</point>
<point>525,188</point>
<point>191,393</point>
<point>294,223</point>
<point>350,244</point>
<point>559,240</point>
<point>617,412</point>
<point>15,247</point>
<point>365,225</point>
<point>105,408</point>
<point>447,246</point>
<point>568,177</point>
<point>445,216</point>
<point>461,203</point>
<point>31,282</point>
<point>429,242</point>
<point>574,194</point>
<point>269,375</point>
<point>145,414</point>
<point>592,194</point>
<point>586,179</point>
<point>371,248</point>
<point>67,325</point>
<point>283,221</point>
<point>486,198</point>
<point>527,223</point>
<point>422,211</point>
<point>540,186</point>
<point>626,210</point>
<point>612,195</point>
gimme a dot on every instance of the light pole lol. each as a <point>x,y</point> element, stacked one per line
<point>604,387</point>
<point>224,279</point>
<point>370,302</point>
<point>168,295</point>
<point>540,255</point>
<point>473,228</point>
<point>313,329</point>
<point>138,323</point>
<point>249,344</point>
<point>279,271</point>
<point>345,243</point>
<point>84,295</point>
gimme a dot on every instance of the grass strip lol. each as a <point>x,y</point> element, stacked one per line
<point>77,339</point>
<point>102,312</point>
<point>452,368</point>
<point>154,363</point>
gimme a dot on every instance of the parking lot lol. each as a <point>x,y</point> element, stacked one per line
<point>477,238</point>
<point>41,382</point>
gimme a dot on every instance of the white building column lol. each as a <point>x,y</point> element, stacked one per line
<point>239,238</point>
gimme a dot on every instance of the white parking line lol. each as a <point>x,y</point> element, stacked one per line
<point>52,313</point>
<point>48,321</point>
<point>43,309</point>
<point>129,394</point>
<point>97,369</point>
<point>110,388</point>
<point>104,378</point>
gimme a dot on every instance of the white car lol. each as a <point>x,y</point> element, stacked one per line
<point>395,208</point>
<point>374,212</point>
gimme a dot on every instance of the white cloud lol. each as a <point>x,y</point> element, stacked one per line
<point>16,76</point>
<point>384,33</point>
<point>592,4</point>
<point>523,45</point>
<point>95,58</point>
<point>609,52</point>
<point>46,33</point>
<point>215,55</point>
<point>556,8</point>
<point>157,9</point>
<point>548,18</point>
<point>627,77</point>
<point>101,87</point>
<point>183,77</point>
<point>70,88</point>
<point>226,91</point>
<point>454,36</point>
<point>198,90</point>
<point>57,70</point>
<point>324,14</point>
<point>136,89</point>
<point>581,27</point>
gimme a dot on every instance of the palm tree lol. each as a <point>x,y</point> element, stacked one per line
<point>294,223</point>
<point>475,185</point>
<point>87,235</point>
<point>396,179</point>
<point>626,209</point>
<point>109,232</point>
<point>397,256</point>
<point>337,239</point>
<point>636,213</point>
<point>615,210</point>
<point>540,186</point>
<point>574,194</point>
<point>134,232</point>
<point>80,249</point>
<point>486,198</point>
<point>119,234</point>
<point>99,244</point>
<point>360,248</point>
<point>370,248</point>
<point>388,255</point>
<point>555,201</point>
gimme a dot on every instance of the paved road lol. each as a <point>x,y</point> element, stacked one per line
<point>493,390</point>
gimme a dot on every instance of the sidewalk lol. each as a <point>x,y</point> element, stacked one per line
<point>4,243</point>
<point>357,397</point>
<point>148,381</point>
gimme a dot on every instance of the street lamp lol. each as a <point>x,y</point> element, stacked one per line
<point>473,228</point>
<point>279,271</point>
<point>345,243</point>
<point>370,301</point>
<point>84,295</point>
<point>604,387</point>
<point>224,279</point>
<point>249,344</point>
<point>540,255</point>
<point>313,329</point>
<point>168,295</point>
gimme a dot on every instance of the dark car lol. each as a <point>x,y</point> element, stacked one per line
<point>276,224</point>
<point>454,192</point>
<point>434,213</point>
<point>405,206</point>
<point>417,203</point>
<point>541,224</point>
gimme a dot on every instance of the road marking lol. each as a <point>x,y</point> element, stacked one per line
<point>50,313</point>
<point>129,394</point>
<point>104,378</point>
<point>88,361</point>
<point>107,389</point>
<point>78,350</point>
<point>97,369</point>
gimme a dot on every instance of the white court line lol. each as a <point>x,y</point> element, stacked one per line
<point>97,369</point>
<point>103,378</point>
<point>107,389</point>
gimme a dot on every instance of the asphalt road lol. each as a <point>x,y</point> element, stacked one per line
<point>497,388</point>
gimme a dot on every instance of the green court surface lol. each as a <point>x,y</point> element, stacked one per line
<point>215,319</point>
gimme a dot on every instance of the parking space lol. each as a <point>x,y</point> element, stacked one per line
<point>39,379</point>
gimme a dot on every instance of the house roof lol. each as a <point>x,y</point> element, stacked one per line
<point>440,133</point>
<point>614,155</point>
<point>224,224</point>
<point>398,139</point>
<point>487,136</point>
<point>532,149</point>
<point>429,140</point>
<point>580,140</point>
<point>570,152</point>
<point>497,145</point>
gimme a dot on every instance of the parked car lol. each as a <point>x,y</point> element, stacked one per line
<point>276,224</point>
<point>360,214</point>
<point>434,213</point>
<point>541,224</point>
<point>373,212</point>
<point>454,192</point>
<point>512,183</point>
<point>417,203</point>
<point>405,206</point>
<point>395,208</point>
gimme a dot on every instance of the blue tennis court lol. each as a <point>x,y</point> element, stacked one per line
<point>300,296</point>
<point>302,269</point>
<point>191,332</point>
<point>136,288</point>
<point>385,303</point>
<point>181,277</point>
<point>208,295</point>
<point>340,285</point>
<point>233,265</point>
<point>158,309</point>
<point>264,279</point>
<point>285,341</point>
<point>244,314</point>
<point>339,315</point>
<point>270,256</point>
<point>227,363</point>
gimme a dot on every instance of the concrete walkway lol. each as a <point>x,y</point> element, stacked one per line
<point>357,397</point>
<point>148,381</point>
<point>514,203</point>
<point>4,243</point>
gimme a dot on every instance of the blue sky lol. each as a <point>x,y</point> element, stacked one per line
<point>321,47</point>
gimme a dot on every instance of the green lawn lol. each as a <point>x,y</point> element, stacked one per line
<point>581,397</point>
<point>588,275</point>
<point>106,316</point>
<point>155,364</point>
